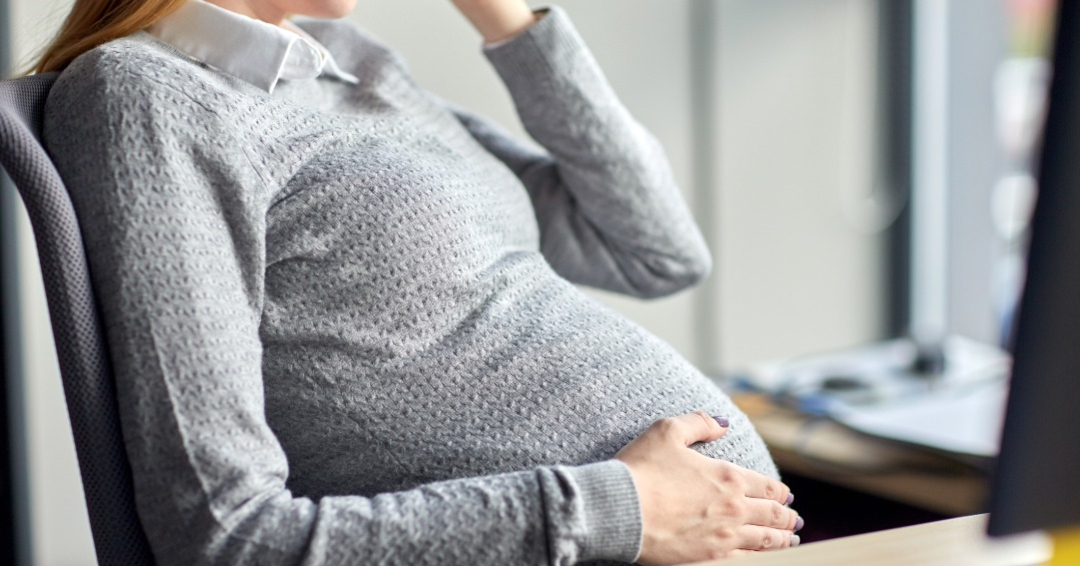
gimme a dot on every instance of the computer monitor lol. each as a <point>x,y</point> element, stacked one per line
<point>1036,483</point>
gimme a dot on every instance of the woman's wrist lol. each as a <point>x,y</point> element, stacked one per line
<point>611,527</point>
<point>497,20</point>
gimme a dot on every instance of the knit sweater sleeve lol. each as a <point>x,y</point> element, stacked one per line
<point>610,213</point>
<point>172,213</point>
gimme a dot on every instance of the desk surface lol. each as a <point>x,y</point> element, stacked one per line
<point>830,452</point>
<point>955,542</point>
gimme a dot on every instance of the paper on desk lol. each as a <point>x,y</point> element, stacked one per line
<point>964,420</point>
<point>963,415</point>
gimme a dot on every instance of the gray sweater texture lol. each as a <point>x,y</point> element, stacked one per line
<point>343,318</point>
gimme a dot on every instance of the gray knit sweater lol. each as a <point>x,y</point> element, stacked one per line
<point>342,317</point>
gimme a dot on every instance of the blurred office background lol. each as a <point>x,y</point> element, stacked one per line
<point>794,130</point>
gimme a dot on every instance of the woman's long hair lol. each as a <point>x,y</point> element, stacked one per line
<point>93,22</point>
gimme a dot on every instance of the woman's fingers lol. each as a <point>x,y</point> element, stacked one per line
<point>754,537</point>
<point>691,428</point>
<point>767,513</point>
<point>763,487</point>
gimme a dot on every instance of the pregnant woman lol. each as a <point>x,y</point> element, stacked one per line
<point>341,311</point>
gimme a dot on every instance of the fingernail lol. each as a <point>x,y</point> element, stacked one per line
<point>722,421</point>
<point>799,523</point>
<point>790,499</point>
<point>795,540</point>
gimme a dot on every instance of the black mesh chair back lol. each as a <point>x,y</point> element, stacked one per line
<point>80,343</point>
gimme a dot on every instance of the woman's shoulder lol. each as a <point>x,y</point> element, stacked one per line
<point>136,71</point>
<point>126,64</point>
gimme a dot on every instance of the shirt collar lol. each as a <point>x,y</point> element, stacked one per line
<point>250,49</point>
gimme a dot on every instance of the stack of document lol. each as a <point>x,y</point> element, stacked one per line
<point>874,390</point>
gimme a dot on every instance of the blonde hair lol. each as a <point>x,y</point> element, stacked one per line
<point>93,22</point>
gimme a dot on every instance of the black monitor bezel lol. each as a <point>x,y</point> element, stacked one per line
<point>1035,484</point>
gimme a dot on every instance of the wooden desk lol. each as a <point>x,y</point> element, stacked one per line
<point>830,452</point>
<point>955,542</point>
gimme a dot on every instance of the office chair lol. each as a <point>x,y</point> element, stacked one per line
<point>80,342</point>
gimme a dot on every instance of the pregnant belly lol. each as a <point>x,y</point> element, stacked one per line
<point>551,377</point>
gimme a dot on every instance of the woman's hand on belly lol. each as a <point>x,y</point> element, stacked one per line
<point>696,508</point>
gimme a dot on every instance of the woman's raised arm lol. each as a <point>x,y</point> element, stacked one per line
<point>610,212</point>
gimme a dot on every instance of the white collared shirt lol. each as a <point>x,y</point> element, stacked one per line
<point>253,50</point>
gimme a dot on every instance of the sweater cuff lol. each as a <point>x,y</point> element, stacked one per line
<point>537,14</point>
<point>610,512</point>
<point>544,50</point>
